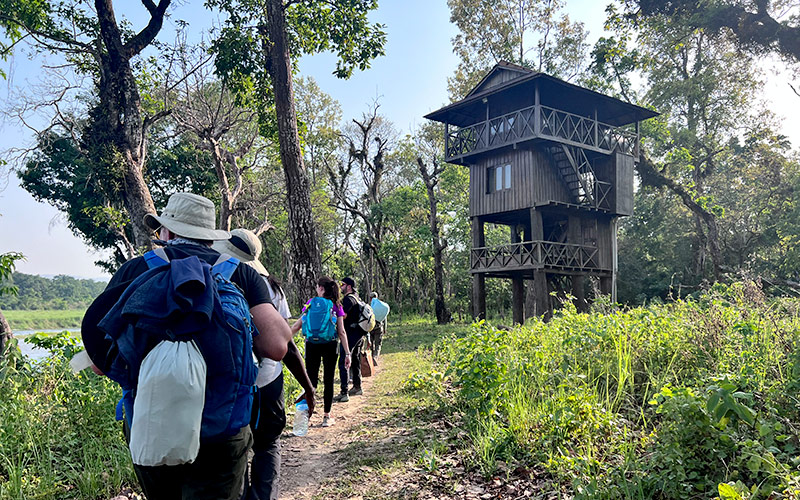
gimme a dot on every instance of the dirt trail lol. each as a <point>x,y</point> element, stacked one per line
<point>306,462</point>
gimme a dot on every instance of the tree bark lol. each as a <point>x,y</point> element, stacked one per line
<point>651,176</point>
<point>305,247</point>
<point>431,178</point>
<point>5,334</point>
<point>121,107</point>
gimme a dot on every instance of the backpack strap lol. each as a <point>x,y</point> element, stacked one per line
<point>156,257</point>
<point>225,266</point>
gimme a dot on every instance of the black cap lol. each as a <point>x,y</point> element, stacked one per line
<point>349,281</point>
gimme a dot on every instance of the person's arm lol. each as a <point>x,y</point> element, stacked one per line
<point>343,340</point>
<point>294,363</point>
<point>297,325</point>
<point>273,332</point>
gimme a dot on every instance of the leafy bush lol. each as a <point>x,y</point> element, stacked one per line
<point>58,435</point>
<point>677,400</point>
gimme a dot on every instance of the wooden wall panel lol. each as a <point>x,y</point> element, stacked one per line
<point>533,182</point>
<point>624,184</point>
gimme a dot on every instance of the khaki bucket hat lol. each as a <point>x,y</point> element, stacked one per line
<point>188,215</point>
<point>245,246</point>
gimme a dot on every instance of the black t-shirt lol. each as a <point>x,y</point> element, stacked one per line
<point>247,278</point>
<point>352,314</point>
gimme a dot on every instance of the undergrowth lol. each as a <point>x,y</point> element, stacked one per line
<point>58,435</point>
<point>692,399</point>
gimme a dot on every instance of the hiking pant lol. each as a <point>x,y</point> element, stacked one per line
<point>216,474</point>
<point>355,365</point>
<point>376,339</point>
<point>326,354</point>
<point>267,423</point>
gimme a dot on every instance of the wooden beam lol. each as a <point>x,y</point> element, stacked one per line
<point>478,279</point>
<point>518,298</point>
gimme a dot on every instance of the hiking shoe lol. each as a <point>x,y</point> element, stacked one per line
<point>355,391</point>
<point>327,421</point>
<point>341,398</point>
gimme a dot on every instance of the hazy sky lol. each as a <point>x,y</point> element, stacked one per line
<point>410,80</point>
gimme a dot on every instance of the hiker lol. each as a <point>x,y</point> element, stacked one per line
<point>269,413</point>
<point>187,228</point>
<point>376,335</point>
<point>322,322</point>
<point>355,339</point>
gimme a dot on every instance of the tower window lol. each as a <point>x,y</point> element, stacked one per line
<point>498,178</point>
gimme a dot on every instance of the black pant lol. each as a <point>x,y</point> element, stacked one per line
<point>267,422</point>
<point>376,339</point>
<point>325,354</point>
<point>355,364</point>
<point>216,474</point>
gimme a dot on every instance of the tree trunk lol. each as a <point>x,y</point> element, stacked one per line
<point>443,315</point>
<point>5,334</point>
<point>121,107</point>
<point>305,248</point>
<point>651,176</point>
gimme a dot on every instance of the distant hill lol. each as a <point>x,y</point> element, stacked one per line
<point>58,292</point>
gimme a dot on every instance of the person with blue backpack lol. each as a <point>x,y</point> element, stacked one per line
<point>179,337</point>
<point>322,323</point>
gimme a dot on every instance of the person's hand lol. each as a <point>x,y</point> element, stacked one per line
<point>309,402</point>
<point>347,361</point>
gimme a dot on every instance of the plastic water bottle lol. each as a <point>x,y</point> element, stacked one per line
<point>300,427</point>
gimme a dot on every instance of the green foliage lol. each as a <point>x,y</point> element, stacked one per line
<point>7,263</point>
<point>686,399</point>
<point>58,436</point>
<point>60,292</point>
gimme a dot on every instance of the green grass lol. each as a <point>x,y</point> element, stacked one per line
<point>671,401</point>
<point>58,435</point>
<point>44,319</point>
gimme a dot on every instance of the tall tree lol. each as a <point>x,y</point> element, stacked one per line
<point>7,261</point>
<point>255,51</point>
<point>91,40</point>
<point>431,169</point>
<point>531,33</point>
<point>760,26</point>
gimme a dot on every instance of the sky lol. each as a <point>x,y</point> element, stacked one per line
<point>409,82</point>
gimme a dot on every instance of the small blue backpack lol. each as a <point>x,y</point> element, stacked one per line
<point>319,322</point>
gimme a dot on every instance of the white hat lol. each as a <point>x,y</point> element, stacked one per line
<point>245,246</point>
<point>188,215</point>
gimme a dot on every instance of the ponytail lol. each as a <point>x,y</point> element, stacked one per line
<point>331,289</point>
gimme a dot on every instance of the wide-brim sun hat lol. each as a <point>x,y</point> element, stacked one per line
<point>245,246</point>
<point>190,216</point>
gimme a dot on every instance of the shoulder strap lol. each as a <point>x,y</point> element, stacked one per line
<point>225,266</point>
<point>156,257</point>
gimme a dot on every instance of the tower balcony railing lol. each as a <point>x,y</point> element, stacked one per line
<point>540,122</point>
<point>535,255</point>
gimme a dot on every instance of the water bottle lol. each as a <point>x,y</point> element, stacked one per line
<point>300,427</point>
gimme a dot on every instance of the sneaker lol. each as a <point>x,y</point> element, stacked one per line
<point>341,398</point>
<point>355,391</point>
<point>327,421</point>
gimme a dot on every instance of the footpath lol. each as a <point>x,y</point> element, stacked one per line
<point>309,461</point>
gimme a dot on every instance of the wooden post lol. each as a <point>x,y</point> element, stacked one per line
<point>518,298</point>
<point>613,226</point>
<point>541,300</point>
<point>575,237</point>
<point>478,279</point>
<point>517,285</point>
<point>537,112</point>
<point>447,140</point>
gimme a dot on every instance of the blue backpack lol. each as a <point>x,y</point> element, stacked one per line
<point>229,394</point>
<point>319,322</point>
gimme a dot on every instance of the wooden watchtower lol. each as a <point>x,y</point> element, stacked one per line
<point>554,162</point>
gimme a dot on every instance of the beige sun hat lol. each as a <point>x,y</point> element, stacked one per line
<point>188,215</point>
<point>245,246</point>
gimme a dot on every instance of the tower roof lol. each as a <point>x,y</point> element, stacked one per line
<point>506,78</point>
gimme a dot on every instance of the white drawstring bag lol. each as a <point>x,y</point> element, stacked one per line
<point>168,408</point>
